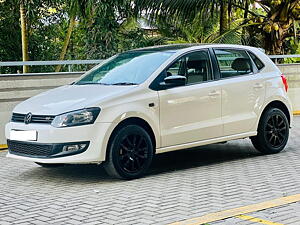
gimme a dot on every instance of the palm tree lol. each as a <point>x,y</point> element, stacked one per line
<point>27,8</point>
<point>186,11</point>
<point>280,20</point>
<point>85,11</point>
<point>23,18</point>
<point>76,9</point>
<point>66,41</point>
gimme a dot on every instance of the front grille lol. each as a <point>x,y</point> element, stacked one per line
<point>29,149</point>
<point>19,118</point>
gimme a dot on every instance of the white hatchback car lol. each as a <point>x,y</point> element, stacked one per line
<point>155,100</point>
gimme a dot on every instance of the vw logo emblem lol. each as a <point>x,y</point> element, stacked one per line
<point>27,118</point>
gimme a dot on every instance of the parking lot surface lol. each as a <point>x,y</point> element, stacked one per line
<point>180,185</point>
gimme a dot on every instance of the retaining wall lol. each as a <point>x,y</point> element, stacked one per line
<point>17,88</point>
<point>292,72</point>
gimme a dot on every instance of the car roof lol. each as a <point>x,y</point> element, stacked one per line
<point>178,47</point>
<point>166,48</point>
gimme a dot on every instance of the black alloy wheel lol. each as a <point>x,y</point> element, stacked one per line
<point>273,132</point>
<point>133,153</point>
<point>276,130</point>
<point>130,153</point>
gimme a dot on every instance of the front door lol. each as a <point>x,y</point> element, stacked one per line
<point>192,112</point>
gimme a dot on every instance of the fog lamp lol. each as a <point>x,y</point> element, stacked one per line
<point>72,148</point>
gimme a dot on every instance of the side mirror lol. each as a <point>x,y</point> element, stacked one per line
<point>174,81</point>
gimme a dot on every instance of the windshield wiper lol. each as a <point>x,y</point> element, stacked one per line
<point>124,83</point>
<point>91,83</point>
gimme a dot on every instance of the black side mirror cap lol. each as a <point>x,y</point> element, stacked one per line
<point>174,81</point>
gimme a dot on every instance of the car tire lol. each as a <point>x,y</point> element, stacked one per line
<point>49,165</point>
<point>272,133</point>
<point>130,153</point>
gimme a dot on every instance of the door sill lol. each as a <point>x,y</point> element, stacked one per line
<point>205,142</point>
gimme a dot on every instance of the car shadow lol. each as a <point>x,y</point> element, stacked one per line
<point>162,163</point>
<point>202,156</point>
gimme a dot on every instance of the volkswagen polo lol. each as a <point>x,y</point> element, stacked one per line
<point>153,100</point>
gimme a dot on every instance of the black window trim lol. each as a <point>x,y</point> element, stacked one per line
<point>154,86</point>
<point>258,70</point>
<point>254,68</point>
<point>215,65</point>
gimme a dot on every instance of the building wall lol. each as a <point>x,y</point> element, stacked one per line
<point>17,88</point>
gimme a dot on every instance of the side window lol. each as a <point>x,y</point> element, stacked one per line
<point>233,62</point>
<point>259,64</point>
<point>177,68</point>
<point>194,66</point>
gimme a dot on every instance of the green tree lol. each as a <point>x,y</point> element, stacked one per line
<point>28,8</point>
<point>185,11</point>
<point>112,27</point>
<point>10,36</point>
<point>76,9</point>
<point>21,18</point>
<point>279,20</point>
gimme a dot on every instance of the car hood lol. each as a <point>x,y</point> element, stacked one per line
<point>69,98</point>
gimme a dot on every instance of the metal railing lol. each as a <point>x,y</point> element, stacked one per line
<point>86,62</point>
<point>70,63</point>
<point>276,57</point>
<point>50,63</point>
<point>283,56</point>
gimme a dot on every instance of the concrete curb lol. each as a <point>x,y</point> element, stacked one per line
<point>3,147</point>
<point>296,113</point>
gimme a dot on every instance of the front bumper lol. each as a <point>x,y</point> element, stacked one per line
<point>37,150</point>
<point>96,134</point>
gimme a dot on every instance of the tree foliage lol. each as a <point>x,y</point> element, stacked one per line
<point>276,20</point>
<point>102,28</point>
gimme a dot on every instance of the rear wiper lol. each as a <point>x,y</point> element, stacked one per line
<point>124,83</point>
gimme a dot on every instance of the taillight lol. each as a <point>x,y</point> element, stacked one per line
<point>285,83</point>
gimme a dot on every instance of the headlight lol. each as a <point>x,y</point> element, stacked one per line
<point>76,118</point>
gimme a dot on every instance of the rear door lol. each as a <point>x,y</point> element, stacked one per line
<point>243,90</point>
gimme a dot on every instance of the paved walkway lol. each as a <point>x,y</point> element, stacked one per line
<point>180,185</point>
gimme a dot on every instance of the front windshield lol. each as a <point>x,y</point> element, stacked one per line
<point>128,68</point>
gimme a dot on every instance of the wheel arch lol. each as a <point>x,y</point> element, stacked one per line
<point>279,105</point>
<point>132,121</point>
